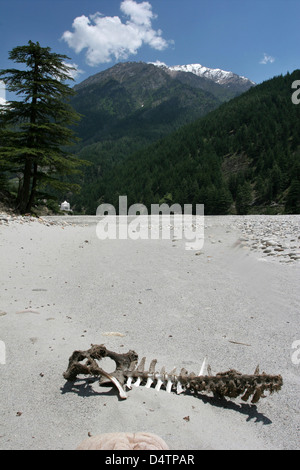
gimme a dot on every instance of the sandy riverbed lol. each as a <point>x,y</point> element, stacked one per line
<point>63,289</point>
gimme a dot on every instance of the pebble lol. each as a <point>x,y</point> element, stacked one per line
<point>276,237</point>
<point>7,219</point>
<point>273,238</point>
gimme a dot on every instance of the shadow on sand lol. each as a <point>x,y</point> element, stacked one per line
<point>85,388</point>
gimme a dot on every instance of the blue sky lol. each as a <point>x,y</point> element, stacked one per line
<point>254,38</point>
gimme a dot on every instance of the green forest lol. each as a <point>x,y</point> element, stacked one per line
<point>151,137</point>
<point>243,157</point>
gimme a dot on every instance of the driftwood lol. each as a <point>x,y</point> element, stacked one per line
<point>224,384</point>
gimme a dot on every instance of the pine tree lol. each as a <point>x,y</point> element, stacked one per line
<point>224,201</point>
<point>293,198</point>
<point>36,129</point>
<point>243,198</point>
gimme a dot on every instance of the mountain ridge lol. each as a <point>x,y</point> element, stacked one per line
<point>143,96</point>
<point>242,157</point>
<point>219,76</point>
<point>122,71</point>
<point>130,90</point>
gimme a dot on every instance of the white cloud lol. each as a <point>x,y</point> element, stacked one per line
<point>76,72</point>
<point>140,13</point>
<point>158,63</point>
<point>107,38</point>
<point>267,59</point>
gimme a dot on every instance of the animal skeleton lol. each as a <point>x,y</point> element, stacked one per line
<point>127,373</point>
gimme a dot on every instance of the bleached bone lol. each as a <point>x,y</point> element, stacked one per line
<point>202,367</point>
<point>169,386</point>
<point>138,382</point>
<point>122,392</point>
<point>158,385</point>
<point>128,383</point>
<point>224,384</point>
<point>150,379</point>
<point>140,368</point>
<point>149,382</point>
<point>131,369</point>
<point>159,378</point>
<point>170,380</point>
<point>179,388</point>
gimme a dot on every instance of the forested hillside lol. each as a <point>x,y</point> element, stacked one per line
<point>131,105</point>
<point>123,110</point>
<point>242,158</point>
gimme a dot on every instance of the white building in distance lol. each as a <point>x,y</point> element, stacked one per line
<point>65,206</point>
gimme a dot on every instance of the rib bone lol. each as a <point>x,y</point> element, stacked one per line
<point>138,382</point>
<point>149,382</point>
<point>128,383</point>
<point>202,367</point>
<point>179,388</point>
<point>159,378</point>
<point>122,392</point>
<point>158,385</point>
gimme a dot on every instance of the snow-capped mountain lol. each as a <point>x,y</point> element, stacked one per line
<point>222,77</point>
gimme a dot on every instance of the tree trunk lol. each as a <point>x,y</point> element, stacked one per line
<point>28,196</point>
<point>25,190</point>
<point>33,188</point>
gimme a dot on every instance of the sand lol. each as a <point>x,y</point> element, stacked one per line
<point>63,289</point>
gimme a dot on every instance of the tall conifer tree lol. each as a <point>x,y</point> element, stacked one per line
<point>35,130</point>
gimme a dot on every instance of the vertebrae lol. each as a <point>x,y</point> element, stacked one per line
<point>128,373</point>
